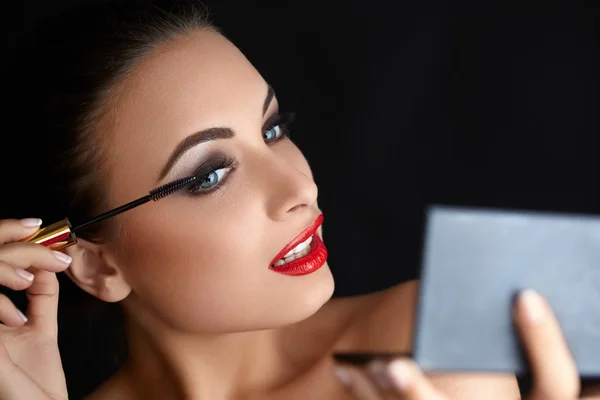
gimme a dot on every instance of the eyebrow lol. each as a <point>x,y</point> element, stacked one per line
<point>268,99</point>
<point>206,135</point>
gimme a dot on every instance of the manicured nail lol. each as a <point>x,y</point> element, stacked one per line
<point>31,222</point>
<point>343,376</point>
<point>534,305</point>
<point>400,373</point>
<point>378,370</point>
<point>25,274</point>
<point>63,257</point>
<point>22,316</point>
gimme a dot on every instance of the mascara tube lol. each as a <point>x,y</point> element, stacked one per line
<point>61,235</point>
<point>57,236</point>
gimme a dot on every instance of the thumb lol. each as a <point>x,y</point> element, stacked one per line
<point>14,383</point>
<point>43,302</point>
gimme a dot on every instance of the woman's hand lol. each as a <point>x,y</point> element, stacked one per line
<point>30,365</point>
<point>554,371</point>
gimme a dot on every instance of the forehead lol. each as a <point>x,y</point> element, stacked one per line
<point>195,82</point>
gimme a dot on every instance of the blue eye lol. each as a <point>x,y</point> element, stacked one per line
<point>273,134</point>
<point>279,129</point>
<point>213,178</point>
<point>211,175</point>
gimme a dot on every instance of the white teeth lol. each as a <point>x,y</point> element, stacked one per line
<point>299,248</point>
<point>297,252</point>
<point>279,263</point>
<point>289,258</point>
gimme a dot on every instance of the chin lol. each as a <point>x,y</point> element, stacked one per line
<point>316,290</point>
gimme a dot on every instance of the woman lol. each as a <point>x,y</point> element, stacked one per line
<point>126,100</point>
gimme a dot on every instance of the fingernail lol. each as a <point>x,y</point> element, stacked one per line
<point>31,222</point>
<point>378,370</point>
<point>63,257</point>
<point>401,374</point>
<point>343,376</point>
<point>25,274</point>
<point>22,316</point>
<point>534,305</point>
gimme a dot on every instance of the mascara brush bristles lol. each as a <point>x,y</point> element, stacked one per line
<point>154,195</point>
<point>169,188</point>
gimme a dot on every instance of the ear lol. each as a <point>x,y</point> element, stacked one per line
<point>96,272</point>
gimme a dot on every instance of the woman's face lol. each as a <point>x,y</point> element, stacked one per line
<point>200,260</point>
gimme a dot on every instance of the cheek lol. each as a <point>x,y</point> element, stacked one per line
<point>201,264</point>
<point>204,268</point>
<point>185,263</point>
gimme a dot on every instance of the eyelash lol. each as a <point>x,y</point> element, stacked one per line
<point>204,172</point>
<point>283,121</point>
<point>215,164</point>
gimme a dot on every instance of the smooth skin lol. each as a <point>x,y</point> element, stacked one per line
<point>205,316</point>
<point>30,364</point>
<point>554,371</point>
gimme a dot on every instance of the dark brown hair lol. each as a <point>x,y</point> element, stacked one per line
<point>54,164</point>
<point>60,90</point>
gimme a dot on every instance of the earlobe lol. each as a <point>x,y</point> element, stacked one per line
<point>96,273</point>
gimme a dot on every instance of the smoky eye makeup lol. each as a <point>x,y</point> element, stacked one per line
<point>211,174</point>
<point>278,127</point>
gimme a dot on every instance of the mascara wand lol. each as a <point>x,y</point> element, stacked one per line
<point>62,235</point>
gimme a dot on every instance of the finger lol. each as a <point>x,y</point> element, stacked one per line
<point>27,255</point>
<point>410,382</point>
<point>555,375</point>
<point>42,310</point>
<point>12,230</point>
<point>357,383</point>
<point>10,315</point>
<point>14,278</point>
<point>378,372</point>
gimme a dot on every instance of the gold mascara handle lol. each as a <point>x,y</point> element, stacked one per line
<point>57,236</point>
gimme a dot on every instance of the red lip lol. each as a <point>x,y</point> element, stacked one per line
<point>310,262</point>
<point>305,234</point>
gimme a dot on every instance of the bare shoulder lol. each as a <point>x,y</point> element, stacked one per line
<point>115,388</point>
<point>384,322</point>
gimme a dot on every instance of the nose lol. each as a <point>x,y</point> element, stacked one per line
<point>290,187</point>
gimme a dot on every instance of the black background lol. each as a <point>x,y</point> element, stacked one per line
<point>404,104</point>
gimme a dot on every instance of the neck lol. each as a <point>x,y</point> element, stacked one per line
<point>165,363</point>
